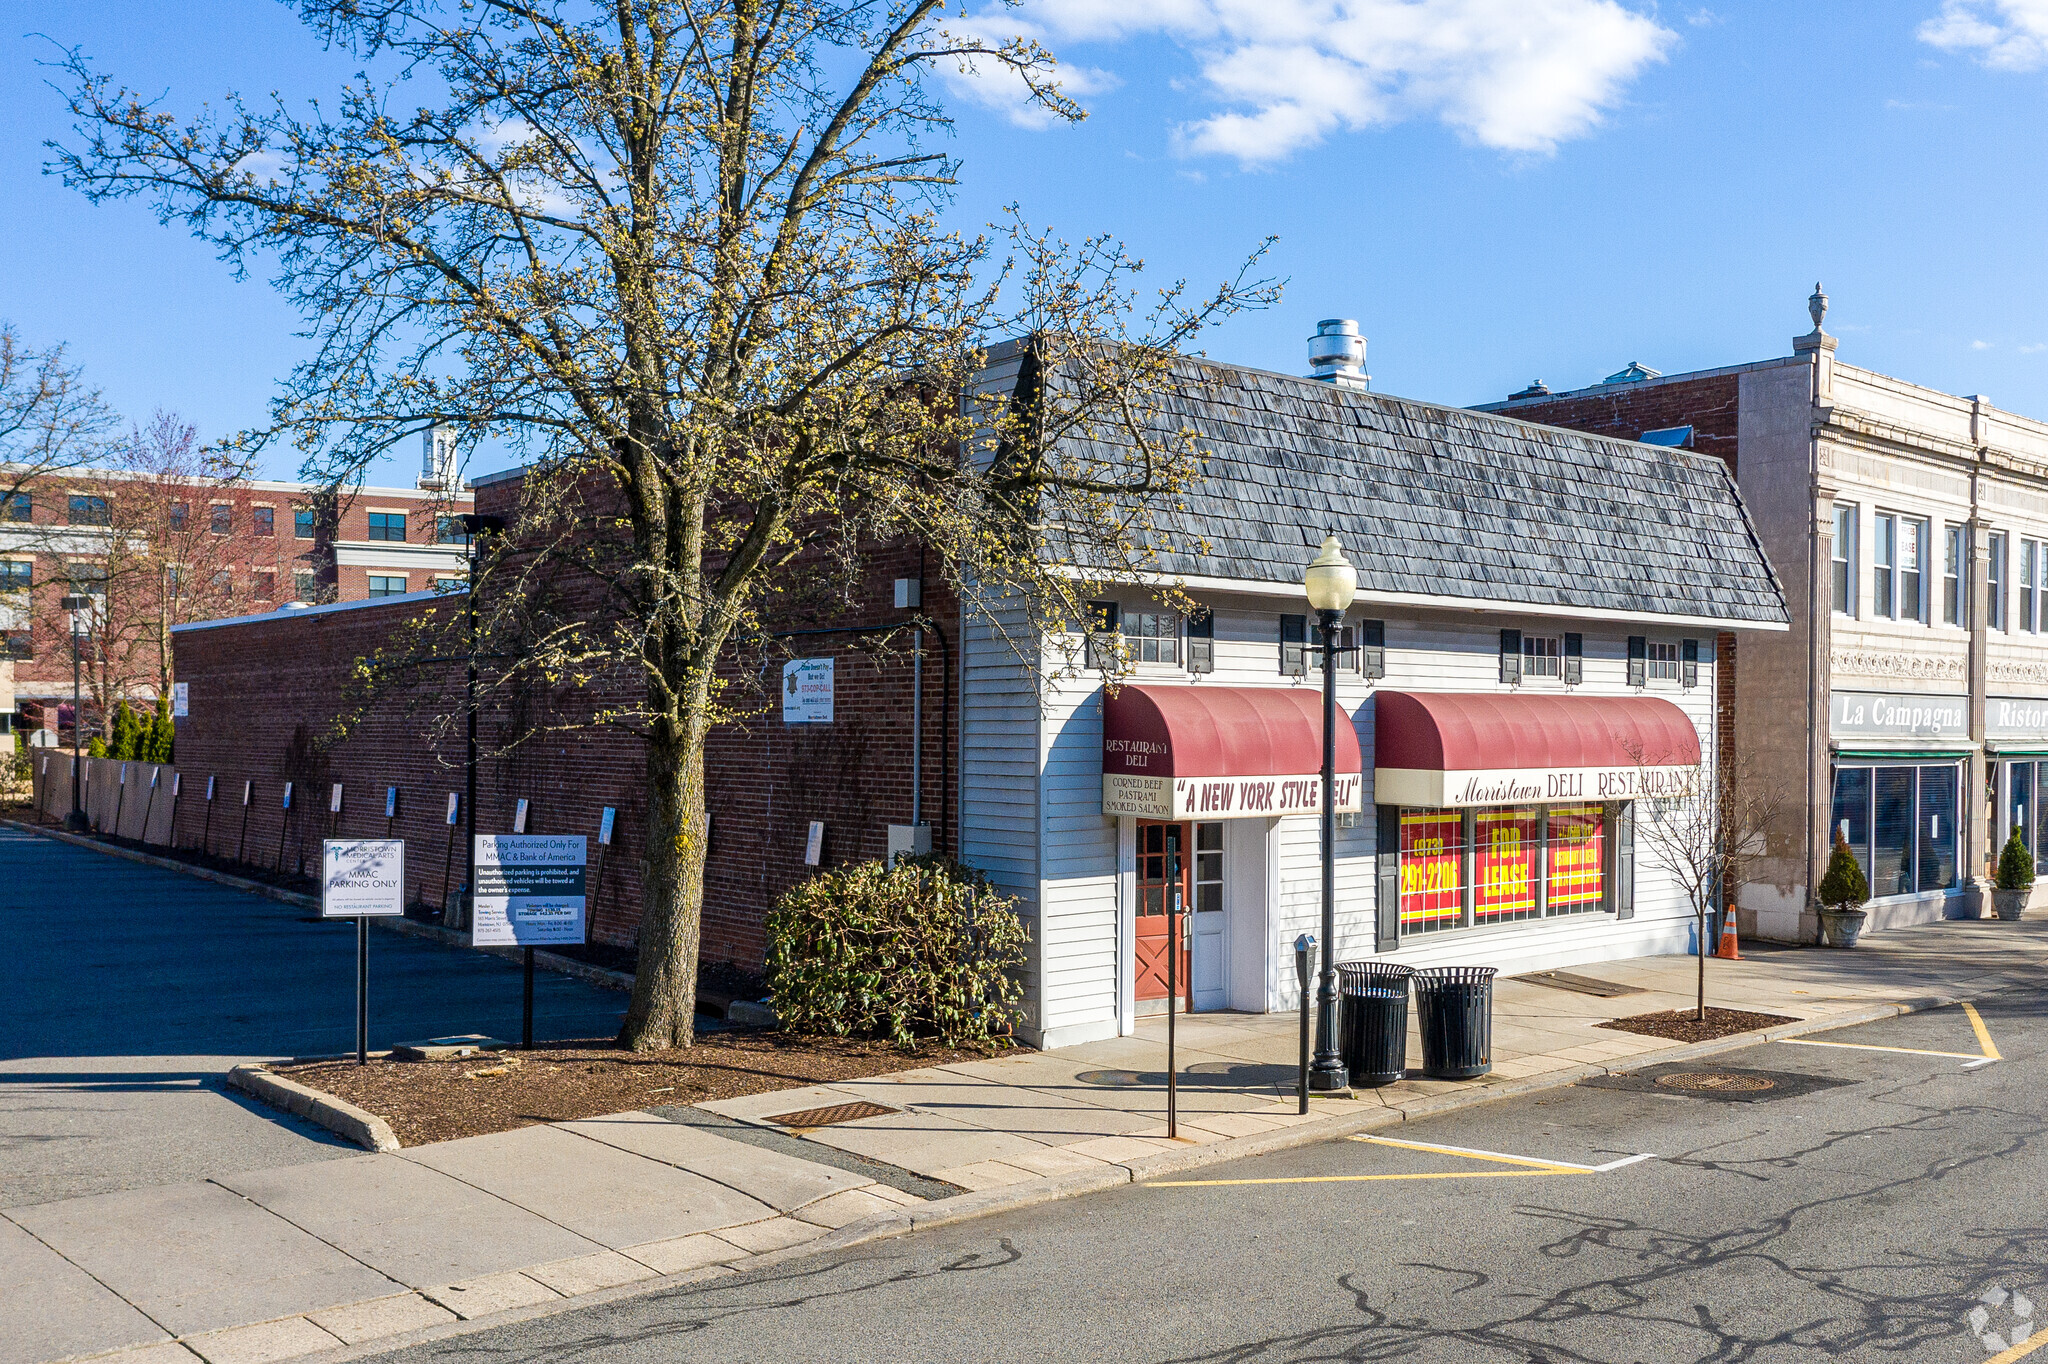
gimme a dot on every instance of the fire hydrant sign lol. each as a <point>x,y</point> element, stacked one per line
<point>362,877</point>
<point>807,691</point>
<point>529,890</point>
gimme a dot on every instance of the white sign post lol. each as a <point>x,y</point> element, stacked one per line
<point>181,700</point>
<point>529,892</point>
<point>362,879</point>
<point>807,691</point>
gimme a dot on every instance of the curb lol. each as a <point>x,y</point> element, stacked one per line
<point>967,1207</point>
<point>547,961</point>
<point>344,1119</point>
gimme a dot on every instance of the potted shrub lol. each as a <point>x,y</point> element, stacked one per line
<point>1843,892</point>
<point>2015,880</point>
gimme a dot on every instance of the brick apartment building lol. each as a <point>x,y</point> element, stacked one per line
<point>1504,711</point>
<point>1907,707</point>
<point>220,548</point>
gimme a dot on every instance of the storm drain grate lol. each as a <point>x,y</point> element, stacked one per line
<point>825,1117</point>
<point>1716,1082</point>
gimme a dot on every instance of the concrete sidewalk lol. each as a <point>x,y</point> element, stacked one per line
<point>373,1251</point>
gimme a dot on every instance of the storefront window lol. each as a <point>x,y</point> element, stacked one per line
<point>1901,822</point>
<point>2019,801</point>
<point>1432,870</point>
<point>1577,840</point>
<point>1509,846</point>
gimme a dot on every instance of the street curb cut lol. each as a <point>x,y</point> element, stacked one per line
<point>547,961</point>
<point>344,1119</point>
<point>960,1208</point>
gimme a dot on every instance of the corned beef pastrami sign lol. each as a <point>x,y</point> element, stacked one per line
<point>1202,752</point>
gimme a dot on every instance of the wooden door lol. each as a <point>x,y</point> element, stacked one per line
<point>1160,848</point>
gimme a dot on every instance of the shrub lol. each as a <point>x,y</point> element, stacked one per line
<point>927,948</point>
<point>1845,885</point>
<point>96,747</point>
<point>123,732</point>
<point>2015,865</point>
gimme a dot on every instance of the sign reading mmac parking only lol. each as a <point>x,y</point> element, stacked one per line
<point>362,877</point>
<point>529,890</point>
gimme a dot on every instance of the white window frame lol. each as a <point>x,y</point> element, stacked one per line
<point>1995,576</point>
<point>1655,661</point>
<point>1845,564</point>
<point>1539,650</point>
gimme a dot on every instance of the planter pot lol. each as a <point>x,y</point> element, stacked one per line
<point>1841,927</point>
<point>2010,904</point>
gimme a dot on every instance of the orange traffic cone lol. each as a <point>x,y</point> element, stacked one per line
<point>1726,951</point>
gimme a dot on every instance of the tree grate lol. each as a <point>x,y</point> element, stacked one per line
<point>836,1113</point>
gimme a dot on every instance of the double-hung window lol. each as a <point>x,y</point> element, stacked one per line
<point>1913,547</point>
<point>302,523</point>
<point>1994,580</point>
<point>1542,656</point>
<point>387,525</point>
<point>2030,586</point>
<point>1663,660</point>
<point>1884,558</point>
<point>1952,574</point>
<point>1152,636</point>
<point>1845,558</point>
<point>17,575</point>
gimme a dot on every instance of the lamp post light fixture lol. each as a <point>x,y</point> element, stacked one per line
<point>77,603</point>
<point>1331,583</point>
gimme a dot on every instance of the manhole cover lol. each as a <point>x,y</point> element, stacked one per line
<point>1715,1082</point>
<point>825,1117</point>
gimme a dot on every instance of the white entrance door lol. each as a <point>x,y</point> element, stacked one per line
<point>1209,944</point>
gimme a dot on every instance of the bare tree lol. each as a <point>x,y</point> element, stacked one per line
<point>687,256</point>
<point>1707,824</point>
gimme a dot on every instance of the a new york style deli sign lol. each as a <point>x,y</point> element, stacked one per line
<point>1226,797</point>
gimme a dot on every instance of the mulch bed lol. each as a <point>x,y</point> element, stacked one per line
<point>427,1101</point>
<point>1682,1025</point>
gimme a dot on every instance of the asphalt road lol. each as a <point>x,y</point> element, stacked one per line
<point>1870,1205</point>
<point>128,991</point>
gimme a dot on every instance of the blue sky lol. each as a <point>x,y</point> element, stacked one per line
<point>1499,190</point>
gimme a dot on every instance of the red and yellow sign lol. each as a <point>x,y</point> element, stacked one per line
<point>1432,866</point>
<point>1508,844</point>
<point>1576,848</point>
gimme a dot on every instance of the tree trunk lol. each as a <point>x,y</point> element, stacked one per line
<point>663,1012</point>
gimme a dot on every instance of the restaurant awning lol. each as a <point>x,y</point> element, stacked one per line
<point>1446,749</point>
<point>1203,752</point>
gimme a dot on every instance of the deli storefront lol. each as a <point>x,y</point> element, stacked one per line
<point>1491,828</point>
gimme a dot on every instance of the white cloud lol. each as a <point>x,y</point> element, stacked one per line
<point>1980,345</point>
<point>1515,75</point>
<point>2033,350</point>
<point>2006,35</point>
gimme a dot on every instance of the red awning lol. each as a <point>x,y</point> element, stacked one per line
<point>1202,752</point>
<point>1491,748</point>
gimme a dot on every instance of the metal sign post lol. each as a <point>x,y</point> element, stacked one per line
<point>529,891</point>
<point>1303,946</point>
<point>242,842</point>
<point>362,879</point>
<point>1172,978</point>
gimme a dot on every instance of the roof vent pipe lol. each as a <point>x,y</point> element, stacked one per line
<point>1336,354</point>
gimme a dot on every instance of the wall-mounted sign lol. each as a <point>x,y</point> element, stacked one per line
<point>362,877</point>
<point>181,700</point>
<point>1897,715</point>
<point>248,791</point>
<point>1226,797</point>
<point>390,802</point>
<point>209,788</point>
<point>334,800</point>
<point>454,806</point>
<point>807,691</point>
<point>287,795</point>
<point>604,825</point>
<point>529,890</point>
<point>814,844</point>
<point>2015,717</point>
<point>519,817</point>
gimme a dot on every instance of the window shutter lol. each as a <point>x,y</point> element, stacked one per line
<point>1625,861</point>
<point>1574,660</point>
<point>1689,662</point>
<point>1293,642</point>
<point>1638,660</point>
<point>1372,650</point>
<point>1202,643</point>
<point>1387,852</point>
<point>1102,635</point>
<point>1511,656</point>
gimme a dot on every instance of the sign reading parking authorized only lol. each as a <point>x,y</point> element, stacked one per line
<point>529,890</point>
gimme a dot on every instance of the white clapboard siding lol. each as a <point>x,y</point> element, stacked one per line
<point>1078,881</point>
<point>999,824</point>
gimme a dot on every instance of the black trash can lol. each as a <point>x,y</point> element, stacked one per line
<point>1373,1020</point>
<point>1454,1006</point>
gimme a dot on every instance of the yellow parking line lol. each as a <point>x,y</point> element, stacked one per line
<point>1357,1179</point>
<point>1983,1033</point>
<point>2019,1351</point>
<point>1560,1166</point>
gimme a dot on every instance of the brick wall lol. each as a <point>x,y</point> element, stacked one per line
<point>263,690</point>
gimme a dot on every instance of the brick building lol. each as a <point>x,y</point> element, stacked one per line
<point>1907,707</point>
<point>1534,641</point>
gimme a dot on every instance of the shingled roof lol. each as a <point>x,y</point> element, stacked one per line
<point>1444,502</point>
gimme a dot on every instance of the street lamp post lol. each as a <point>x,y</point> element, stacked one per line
<point>1331,583</point>
<point>474,527</point>
<point>77,603</point>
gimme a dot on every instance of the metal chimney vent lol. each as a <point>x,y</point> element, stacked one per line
<point>437,458</point>
<point>1336,354</point>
